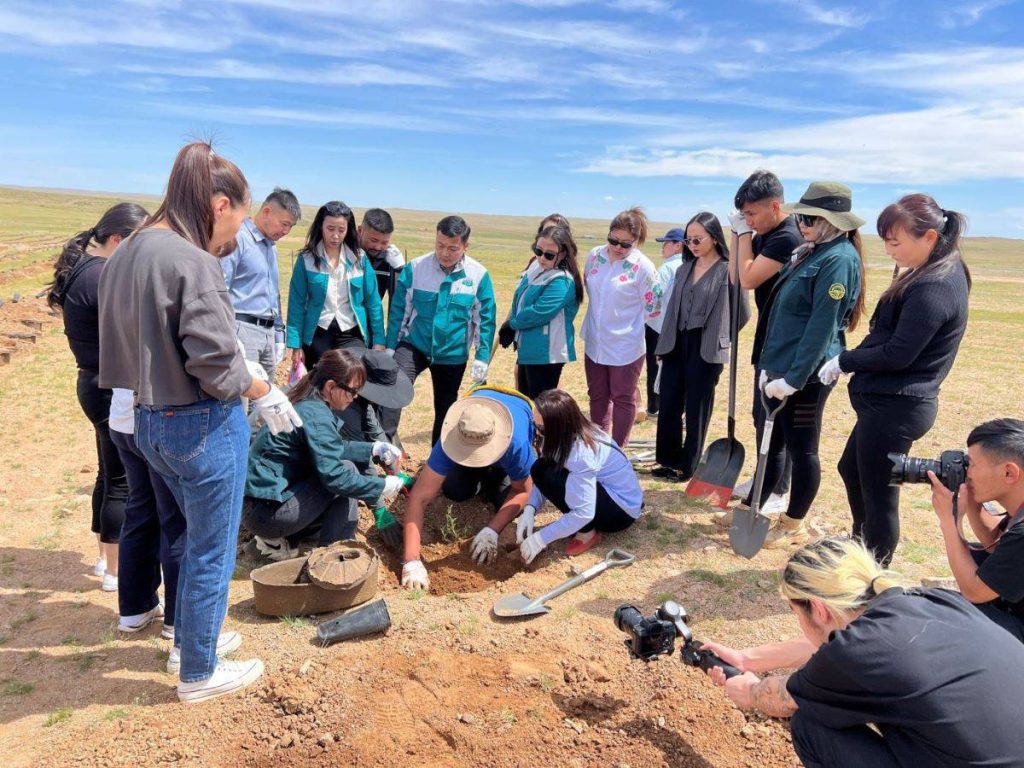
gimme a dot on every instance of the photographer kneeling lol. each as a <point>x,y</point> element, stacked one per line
<point>887,676</point>
<point>990,574</point>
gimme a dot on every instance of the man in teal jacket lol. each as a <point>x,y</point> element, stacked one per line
<point>443,305</point>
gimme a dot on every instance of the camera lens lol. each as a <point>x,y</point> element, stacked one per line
<point>627,618</point>
<point>910,469</point>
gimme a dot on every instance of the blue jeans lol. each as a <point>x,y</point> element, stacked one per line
<point>153,535</point>
<point>200,450</point>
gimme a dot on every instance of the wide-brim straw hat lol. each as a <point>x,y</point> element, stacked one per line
<point>830,200</point>
<point>476,431</point>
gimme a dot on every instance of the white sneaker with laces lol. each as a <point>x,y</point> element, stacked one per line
<point>109,583</point>
<point>776,504</point>
<point>140,620</point>
<point>229,676</point>
<point>100,568</point>
<point>742,490</point>
<point>227,642</point>
<point>276,549</point>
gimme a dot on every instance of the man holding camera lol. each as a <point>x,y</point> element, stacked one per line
<point>990,574</point>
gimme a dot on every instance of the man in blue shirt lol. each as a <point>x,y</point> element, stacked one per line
<point>486,446</point>
<point>251,275</point>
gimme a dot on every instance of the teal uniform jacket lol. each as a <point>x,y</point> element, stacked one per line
<point>811,306</point>
<point>543,309</point>
<point>308,290</point>
<point>278,463</point>
<point>443,315</point>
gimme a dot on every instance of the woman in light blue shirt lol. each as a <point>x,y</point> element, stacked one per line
<point>332,297</point>
<point>583,473</point>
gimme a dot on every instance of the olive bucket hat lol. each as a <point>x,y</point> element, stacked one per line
<point>830,200</point>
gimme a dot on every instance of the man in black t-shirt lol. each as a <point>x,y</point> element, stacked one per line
<point>385,258</point>
<point>992,575</point>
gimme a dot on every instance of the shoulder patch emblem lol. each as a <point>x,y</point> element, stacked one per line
<point>837,291</point>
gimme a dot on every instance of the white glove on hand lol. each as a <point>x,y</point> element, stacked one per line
<point>386,452</point>
<point>485,546</point>
<point>762,380</point>
<point>280,350</point>
<point>739,224</point>
<point>392,487</point>
<point>478,372</point>
<point>524,525</point>
<point>830,372</point>
<point>778,389</point>
<point>414,576</point>
<point>275,410</point>
<point>256,371</point>
<point>531,547</point>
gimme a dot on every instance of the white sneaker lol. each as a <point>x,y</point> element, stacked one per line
<point>167,632</point>
<point>742,490</point>
<point>227,642</point>
<point>100,568</point>
<point>776,504</point>
<point>140,620</point>
<point>109,583</point>
<point>229,676</point>
<point>276,549</point>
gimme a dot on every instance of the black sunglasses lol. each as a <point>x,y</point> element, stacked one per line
<point>806,219</point>
<point>544,254</point>
<point>347,388</point>
<point>619,243</point>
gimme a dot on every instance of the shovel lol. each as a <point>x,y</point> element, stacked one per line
<point>749,527</point>
<point>522,605</point>
<point>720,466</point>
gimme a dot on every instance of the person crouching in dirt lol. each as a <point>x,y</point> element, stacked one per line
<point>486,448</point>
<point>306,479</point>
<point>886,676</point>
<point>583,473</point>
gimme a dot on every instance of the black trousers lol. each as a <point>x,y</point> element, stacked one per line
<point>609,517</point>
<point>463,483</point>
<point>651,337</point>
<point>782,486</point>
<point>110,492</point>
<point>445,378</point>
<point>153,536</point>
<point>885,424</point>
<point>537,378</point>
<point>688,382</point>
<point>332,338</point>
<point>819,746</point>
<point>797,432</point>
<point>310,510</point>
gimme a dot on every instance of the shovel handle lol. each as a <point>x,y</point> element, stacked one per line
<point>619,558</point>
<point>616,558</point>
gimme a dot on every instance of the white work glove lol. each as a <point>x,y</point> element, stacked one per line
<point>277,413</point>
<point>739,224</point>
<point>386,452</point>
<point>762,380</point>
<point>392,487</point>
<point>531,547</point>
<point>830,372</point>
<point>485,546</point>
<point>389,352</point>
<point>778,389</point>
<point>524,525</point>
<point>478,372</point>
<point>414,576</point>
<point>256,370</point>
<point>280,350</point>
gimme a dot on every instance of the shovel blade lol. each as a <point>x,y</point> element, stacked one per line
<point>716,475</point>
<point>518,605</point>
<point>748,531</point>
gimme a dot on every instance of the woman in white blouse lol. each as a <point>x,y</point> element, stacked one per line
<point>333,301</point>
<point>583,473</point>
<point>624,292</point>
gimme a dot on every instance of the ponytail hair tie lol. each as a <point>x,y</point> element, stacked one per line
<point>871,586</point>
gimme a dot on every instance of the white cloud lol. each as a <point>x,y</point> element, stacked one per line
<point>340,119</point>
<point>968,14</point>
<point>833,16</point>
<point>233,69</point>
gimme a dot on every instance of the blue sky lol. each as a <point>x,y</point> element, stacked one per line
<point>526,106</point>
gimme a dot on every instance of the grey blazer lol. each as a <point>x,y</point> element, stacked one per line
<point>714,343</point>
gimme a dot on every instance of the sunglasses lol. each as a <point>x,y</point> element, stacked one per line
<point>694,240</point>
<point>544,254</point>
<point>346,388</point>
<point>806,219</point>
<point>619,243</point>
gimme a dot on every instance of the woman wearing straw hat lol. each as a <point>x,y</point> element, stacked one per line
<point>818,297</point>
<point>886,676</point>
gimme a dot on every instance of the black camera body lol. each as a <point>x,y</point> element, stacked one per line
<point>950,468</point>
<point>654,636</point>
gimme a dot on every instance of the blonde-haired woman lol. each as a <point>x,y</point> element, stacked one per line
<point>887,676</point>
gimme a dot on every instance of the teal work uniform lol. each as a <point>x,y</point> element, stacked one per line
<point>543,309</point>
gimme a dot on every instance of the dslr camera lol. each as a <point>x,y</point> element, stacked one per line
<point>647,638</point>
<point>950,468</point>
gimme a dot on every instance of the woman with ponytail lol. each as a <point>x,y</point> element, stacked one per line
<point>886,676</point>
<point>913,340</point>
<point>167,334</point>
<point>308,481</point>
<point>75,290</point>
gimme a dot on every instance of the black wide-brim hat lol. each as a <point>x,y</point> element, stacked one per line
<point>386,384</point>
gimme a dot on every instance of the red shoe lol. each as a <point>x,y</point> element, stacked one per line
<point>578,546</point>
